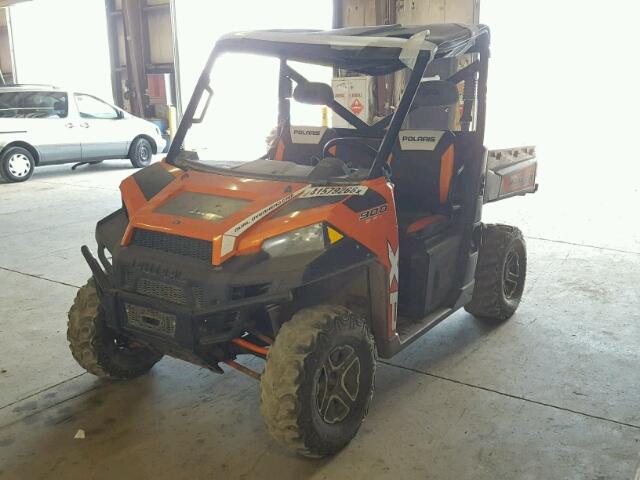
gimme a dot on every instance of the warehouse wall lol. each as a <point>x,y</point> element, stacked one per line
<point>374,12</point>
<point>6,57</point>
<point>434,11</point>
<point>64,43</point>
<point>142,63</point>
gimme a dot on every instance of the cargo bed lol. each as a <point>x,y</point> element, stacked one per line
<point>510,172</point>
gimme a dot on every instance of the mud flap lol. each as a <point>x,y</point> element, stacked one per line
<point>510,172</point>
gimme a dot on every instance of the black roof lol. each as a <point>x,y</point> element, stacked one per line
<point>372,50</point>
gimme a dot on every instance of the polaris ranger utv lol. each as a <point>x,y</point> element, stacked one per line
<point>335,246</point>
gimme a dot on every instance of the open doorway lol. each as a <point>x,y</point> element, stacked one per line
<point>561,78</point>
<point>71,51</point>
<point>200,24</point>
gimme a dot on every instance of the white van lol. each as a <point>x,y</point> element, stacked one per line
<point>43,125</point>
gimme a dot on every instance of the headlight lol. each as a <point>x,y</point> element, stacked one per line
<point>302,240</point>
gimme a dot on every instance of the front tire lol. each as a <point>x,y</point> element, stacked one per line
<point>140,153</point>
<point>98,349</point>
<point>500,275</point>
<point>17,164</point>
<point>318,381</point>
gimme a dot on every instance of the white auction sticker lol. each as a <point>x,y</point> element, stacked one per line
<point>334,191</point>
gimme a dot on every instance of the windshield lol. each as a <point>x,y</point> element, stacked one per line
<point>255,118</point>
<point>297,112</point>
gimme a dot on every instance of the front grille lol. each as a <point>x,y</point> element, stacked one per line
<point>150,319</point>
<point>198,295</point>
<point>166,242</point>
<point>163,291</point>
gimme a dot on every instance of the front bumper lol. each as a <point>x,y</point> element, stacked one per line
<point>168,325</point>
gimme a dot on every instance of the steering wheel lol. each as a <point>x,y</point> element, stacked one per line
<point>357,142</point>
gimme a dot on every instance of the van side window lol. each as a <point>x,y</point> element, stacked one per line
<point>33,104</point>
<point>91,107</point>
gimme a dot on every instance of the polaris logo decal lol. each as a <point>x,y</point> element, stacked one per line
<point>307,135</point>
<point>152,269</point>
<point>411,138</point>
<point>420,139</point>
<point>306,132</point>
<point>373,212</point>
<point>310,192</point>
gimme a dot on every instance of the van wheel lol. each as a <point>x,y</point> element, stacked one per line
<point>17,164</point>
<point>500,275</point>
<point>97,348</point>
<point>318,381</point>
<point>140,153</point>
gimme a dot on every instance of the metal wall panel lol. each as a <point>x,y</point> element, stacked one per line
<point>160,38</point>
<point>371,12</point>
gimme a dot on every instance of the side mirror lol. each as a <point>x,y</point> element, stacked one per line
<point>436,93</point>
<point>313,93</point>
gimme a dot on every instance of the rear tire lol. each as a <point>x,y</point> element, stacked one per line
<point>500,275</point>
<point>318,381</point>
<point>98,349</point>
<point>17,164</point>
<point>140,153</point>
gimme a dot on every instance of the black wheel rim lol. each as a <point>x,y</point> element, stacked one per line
<point>511,275</point>
<point>338,384</point>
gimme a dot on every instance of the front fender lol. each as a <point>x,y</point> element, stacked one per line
<point>110,230</point>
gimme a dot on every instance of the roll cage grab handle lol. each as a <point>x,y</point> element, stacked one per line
<point>393,122</point>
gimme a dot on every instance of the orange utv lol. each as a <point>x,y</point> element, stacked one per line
<point>338,244</point>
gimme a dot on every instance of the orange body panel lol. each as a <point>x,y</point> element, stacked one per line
<point>446,174</point>
<point>378,233</point>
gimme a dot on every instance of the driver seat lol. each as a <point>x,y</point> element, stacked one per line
<point>424,172</point>
<point>301,144</point>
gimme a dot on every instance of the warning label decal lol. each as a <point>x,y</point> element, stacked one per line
<point>356,107</point>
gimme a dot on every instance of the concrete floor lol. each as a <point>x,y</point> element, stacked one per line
<point>552,394</point>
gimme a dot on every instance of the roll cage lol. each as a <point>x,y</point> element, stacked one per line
<point>367,50</point>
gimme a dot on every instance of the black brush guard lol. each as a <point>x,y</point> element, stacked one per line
<point>187,334</point>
